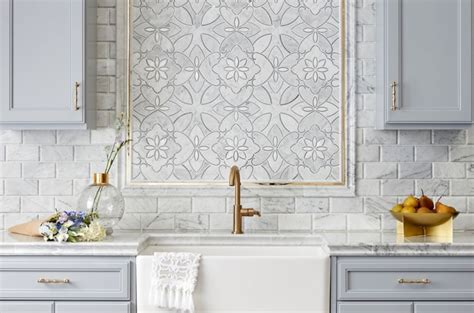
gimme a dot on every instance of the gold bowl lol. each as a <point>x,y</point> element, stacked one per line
<point>424,219</point>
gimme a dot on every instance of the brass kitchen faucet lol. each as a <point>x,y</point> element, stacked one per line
<point>239,212</point>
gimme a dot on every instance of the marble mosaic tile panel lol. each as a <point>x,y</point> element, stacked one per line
<point>253,83</point>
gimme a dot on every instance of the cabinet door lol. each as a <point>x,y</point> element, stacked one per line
<point>26,307</point>
<point>45,56</point>
<point>375,307</point>
<point>92,307</point>
<point>443,307</point>
<point>427,53</point>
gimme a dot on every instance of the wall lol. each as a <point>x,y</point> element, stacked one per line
<point>40,170</point>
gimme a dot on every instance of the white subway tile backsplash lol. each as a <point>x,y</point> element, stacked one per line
<point>433,187</point>
<point>73,170</point>
<point>141,204</point>
<point>191,221</point>
<point>462,153</point>
<point>381,170</point>
<point>397,187</point>
<point>90,153</point>
<point>414,137</point>
<point>278,205</point>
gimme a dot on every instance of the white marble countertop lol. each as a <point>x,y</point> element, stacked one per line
<point>336,243</point>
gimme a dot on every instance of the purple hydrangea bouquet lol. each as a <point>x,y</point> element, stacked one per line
<point>72,226</point>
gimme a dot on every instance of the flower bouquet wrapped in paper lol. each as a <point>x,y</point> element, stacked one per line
<point>72,226</point>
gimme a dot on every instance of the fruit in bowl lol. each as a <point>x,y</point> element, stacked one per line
<point>423,211</point>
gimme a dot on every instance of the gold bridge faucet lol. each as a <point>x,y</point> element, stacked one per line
<point>239,212</point>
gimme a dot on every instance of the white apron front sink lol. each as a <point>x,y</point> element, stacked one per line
<point>259,274</point>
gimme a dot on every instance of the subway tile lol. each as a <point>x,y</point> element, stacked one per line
<point>90,153</point>
<point>39,170</point>
<point>380,137</point>
<point>21,187</point>
<point>209,205</point>
<point>192,221</point>
<point>22,152</point>
<point>449,170</point>
<point>346,205</point>
<point>157,221</point>
<point>267,222</point>
<point>364,222</point>
<point>379,204</point>
<point>10,136</point>
<point>219,221</point>
<point>397,154</point>
<point>56,153</point>
<point>10,170</point>
<point>449,137</point>
<point>278,205</point>
<point>141,204</point>
<point>9,204</point>
<point>73,137</point>
<point>312,205</point>
<point>55,187</point>
<point>294,222</point>
<point>433,187</point>
<point>414,137</point>
<point>73,170</point>
<point>415,170</point>
<point>381,170</point>
<point>431,153</point>
<point>37,204</point>
<point>461,153</point>
<point>175,205</point>
<point>396,187</point>
<point>462,187</point>
<point>39,137</point>
<point>329,222</point>
<point>368,153</point>
<point>367,187</point>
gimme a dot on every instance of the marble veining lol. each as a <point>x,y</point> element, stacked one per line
<point>335,243</point>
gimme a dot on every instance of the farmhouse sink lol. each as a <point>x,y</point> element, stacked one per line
<point>249,273</point>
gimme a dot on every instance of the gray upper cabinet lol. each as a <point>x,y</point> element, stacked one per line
<point>424,69</point>
<point>48,57</point>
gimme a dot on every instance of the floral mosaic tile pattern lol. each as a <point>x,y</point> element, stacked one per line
<point>252,83</point>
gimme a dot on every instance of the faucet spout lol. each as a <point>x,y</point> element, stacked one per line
<point>239,212</point>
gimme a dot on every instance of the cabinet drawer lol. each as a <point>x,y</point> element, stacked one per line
<point>400,278</point>
<point>51,278</point>
<point>92,307</point>
<point>375,307</point>
<point>26,307</point>
<point>437,307</point>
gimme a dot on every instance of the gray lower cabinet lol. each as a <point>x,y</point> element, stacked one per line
<point>424,73</point>
<point>375,307</point>
<point>402,284</point>
<point>92,307</point>
<point>26,307</point>
<point>437,307</point>
<point>47,59</point>
<point>67,284</point>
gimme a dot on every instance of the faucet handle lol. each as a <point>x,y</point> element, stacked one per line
<point>249,212</point>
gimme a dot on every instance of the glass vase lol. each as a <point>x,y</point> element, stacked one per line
<point>104,199</point>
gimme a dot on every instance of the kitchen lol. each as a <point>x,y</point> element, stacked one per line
<point>336,114</point>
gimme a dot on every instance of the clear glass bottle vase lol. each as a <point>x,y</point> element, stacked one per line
<point>103,198</point>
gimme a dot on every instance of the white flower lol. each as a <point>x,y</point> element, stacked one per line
<point>94,232</point>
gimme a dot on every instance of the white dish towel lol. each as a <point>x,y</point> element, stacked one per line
<point>173,281</point>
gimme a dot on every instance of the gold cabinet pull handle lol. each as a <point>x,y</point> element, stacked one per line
<point>394,95</point>
<point>53,281</point>
<point>75,100</point>
<point>424,281</point>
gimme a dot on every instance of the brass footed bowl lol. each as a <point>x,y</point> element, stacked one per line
<point>424,219</point>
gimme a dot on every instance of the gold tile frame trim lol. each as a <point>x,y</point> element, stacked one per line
<point>343,95</point>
